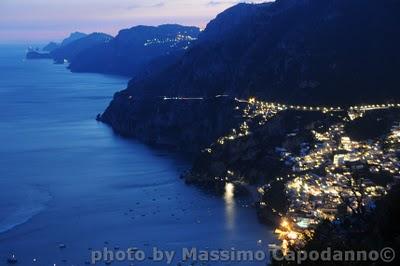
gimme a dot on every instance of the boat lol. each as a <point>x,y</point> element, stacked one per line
<point>12,260</point>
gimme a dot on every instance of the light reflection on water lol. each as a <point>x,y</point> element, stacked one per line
<point>230,205</point>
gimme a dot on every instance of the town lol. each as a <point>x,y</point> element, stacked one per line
<point>332,176</point>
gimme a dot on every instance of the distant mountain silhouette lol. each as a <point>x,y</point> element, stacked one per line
<point>51,46</point>
<point>307,51</point>
<point>133,48</point>
<point>73,37</point>
<point>137,51</point>
<point>33,54</point>
<point>69,50</point>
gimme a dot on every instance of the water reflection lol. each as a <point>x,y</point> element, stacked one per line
<point>230,205</point>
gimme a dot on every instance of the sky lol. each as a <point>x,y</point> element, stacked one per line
<point>40,21</point>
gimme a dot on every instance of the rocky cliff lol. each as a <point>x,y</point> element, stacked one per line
<point>332,52</point>
<point>174,123</point>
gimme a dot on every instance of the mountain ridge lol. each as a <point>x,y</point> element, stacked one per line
<point>280,52</point>
<point>134,51</point>
<point>133,48</point>
<point>70,50</point>
<point>288,51</point>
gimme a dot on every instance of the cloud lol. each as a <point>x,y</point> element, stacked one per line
<point>161,4</point>
<point>136,6</point>
<point>217,3</point>
<point>232,2</point>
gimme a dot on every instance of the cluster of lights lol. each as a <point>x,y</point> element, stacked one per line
<point>267,110</point>
<point>314,197</point>
<point>323,178</point>
<point>178,38</point>
<point>281,106</point>
<point>254,109</point>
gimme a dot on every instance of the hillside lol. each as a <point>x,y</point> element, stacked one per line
<point>134,48</point>
<point>304,51</point>
<point>333,52</point>
<point>70,50</point>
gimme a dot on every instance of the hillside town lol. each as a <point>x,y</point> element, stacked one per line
<point>330,177</point>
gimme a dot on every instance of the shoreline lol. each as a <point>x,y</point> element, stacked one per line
<point>104,188</point>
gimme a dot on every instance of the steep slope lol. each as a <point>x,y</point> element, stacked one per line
<point>334,52</point>
<point>133,48</point>
<point>293,50</point>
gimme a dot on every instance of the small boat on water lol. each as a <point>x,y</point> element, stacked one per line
<point>12,260</point>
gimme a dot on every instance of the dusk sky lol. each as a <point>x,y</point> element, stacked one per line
<point>44,20</point>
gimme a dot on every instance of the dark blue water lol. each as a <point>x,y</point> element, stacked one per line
<point>65,178</point>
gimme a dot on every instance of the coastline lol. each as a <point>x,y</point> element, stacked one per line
<point>107,191</point>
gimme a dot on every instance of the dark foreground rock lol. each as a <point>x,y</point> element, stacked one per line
<point>185,125</point>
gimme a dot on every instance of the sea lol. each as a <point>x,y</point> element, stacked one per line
<point>70,188</point>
